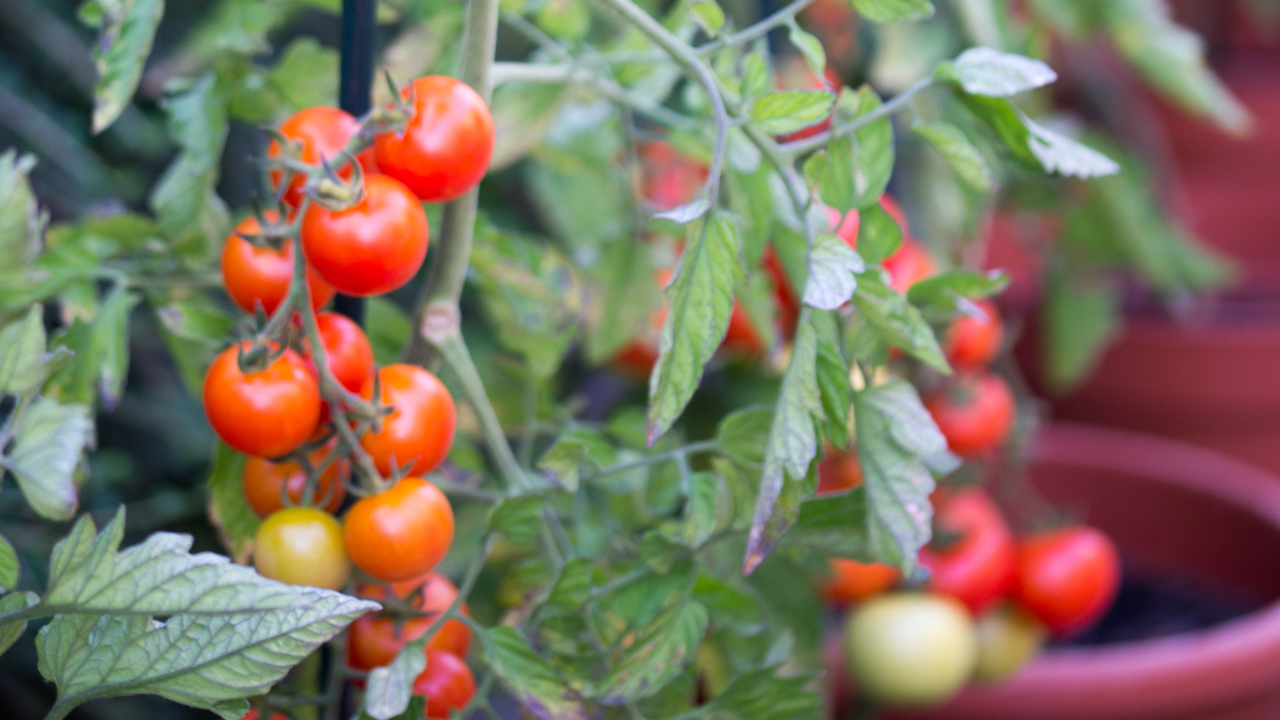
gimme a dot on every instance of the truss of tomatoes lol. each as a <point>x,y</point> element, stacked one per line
<point>263,397</point>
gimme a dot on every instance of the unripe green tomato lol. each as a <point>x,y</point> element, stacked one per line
<point>910,649</point>
<point>1008,638</point>
<point>302,546</point>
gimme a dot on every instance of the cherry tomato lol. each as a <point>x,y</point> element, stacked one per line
<point>1067,578</point>
<point>975,413</point>
<point>1008,639</point>
<point>419,432</point>
<point>910,264</point>
<point>324,133</point>
<point>839,470</point>
<point>845,227</point>
<point>853,581</point>
<point>972,341</point>
<point>302,546</point>
<point>977,566</point>
<point>375,640</point>
<point>264,480</point>
<point>667,178</point>
<point>253,715</point>
<point>266,413</point>
<point>402,533</point>
<point>372,247</point>
<point>445,149</point>
<point>909,649</point>
<point>261,276</point>
<point>447,684</point>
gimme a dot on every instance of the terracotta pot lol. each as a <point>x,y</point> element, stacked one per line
<point>1184,513</point>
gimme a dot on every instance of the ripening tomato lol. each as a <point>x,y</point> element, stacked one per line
<point>419,431</point>
<point>910,649</point>
<point>976,566</point>
<point>402,533</point>
<point>265,482</point>
<point>975,413</point>
<point>372,247</point>
<point>973,340</point>
<point>375,640</point>
<point>447,684</point>
<point>261,276</point>
<point>444,151</point>
<point>852,581</point>
<point>839,470</point>
<point>266,413</point>
<point>253,715</point>
<point>669,179</point>
<point>1008,638</point>
<point>324,133</point>
<point>910,264</point>
<point>302,546</point>
<point>1067,578</point>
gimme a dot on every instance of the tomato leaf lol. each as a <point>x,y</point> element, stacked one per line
<point>792,444</point>
<point>960,154</point>
<point>22,346</point>
<point>762,694</point>
<point>707,14</point>
<point>984,71</point>
<point>390,689</point>
<point>898,322</point>
<point>942,292</point>
<point>14,602</point>
<point>660,652</point>
<point>755,75</point>
<point>49,438</point>
<point>532,681</point>
<point>809,46</point>
<point>700,301</point>
<point>894,11</point>
<point>873,152</point>
<point>306,75</point>
<point>743,434</point>
<point>832,171</point>
<point>879,234</point>
<point>832,272</point>
<point>624,283</point>
<point>572,588</point>
<point>125,33</point>
<point>787,111</point>
<point>22,224</point>
<point>1082,315</point>
<point>835,391</point>
<point>519,518</point>
<point>229,510</point>
<point>701,509</point>
<point>1065,156</point>
<point>10,568</point>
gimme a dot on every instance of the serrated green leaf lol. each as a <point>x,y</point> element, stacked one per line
<point>960,154</point>
<point>306,76</point>
<point>707,14</point>
<point>196,320</point>
<point>755,75</point>
<point>832,272</point>
<point>49,438</point>
<point>1081,316</point>
<point>573,587</point>
<point>762,694</point>
<point>809,46</point>
<point>229,510</point>
<point>701,509</point>
<point>519,518</point>
<point>832,171</point>
<point>873,152</point>
<point>984,71</point>
<point>879,234</point>
<point>700,301</point>
<point>22,345</point>
<point>835,390</point>
<point>14,602</point>
<point>743,434</point>
<point>894,11</point>
<point>941,291</point>
<point>533,682</point>
<point>563,460</point>
<point>660,551</point>
<point>10,568</point>
<point>99,354</point>
<point>898,322</point>
<point>787,111</point>
<point>21,222</point>
<point>791,447</point>
<point>389,691</point>
<point>1059,153</point>
<point>659,654</point>
<point>188,210</point>
<point>125,34</point>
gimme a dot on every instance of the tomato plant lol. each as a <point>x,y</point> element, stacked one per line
<point>258,276</point>
<point>975,561</point>
<point>319,133</point>
<point>852,581</point>
<point>418,433</point>
<point>401,533</point>
<point>1067,577</point>
<point>266,483</point>
<point>975,413</point>
<point>375,640</point>
<point>974,339</point>
<point>264,412</point>
<point>302,546</point>
<point>447,684</point>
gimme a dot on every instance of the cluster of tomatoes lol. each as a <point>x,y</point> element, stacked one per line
<point>989,602</point>
<point>352,193</point>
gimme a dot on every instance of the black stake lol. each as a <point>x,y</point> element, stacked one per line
<point>355,93</point>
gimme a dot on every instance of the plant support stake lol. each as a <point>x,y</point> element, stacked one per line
<point>355,94</point>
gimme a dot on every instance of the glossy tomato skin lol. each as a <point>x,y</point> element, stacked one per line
<point>1067,578</point>
<point>977,568</point>
<point>372,247</point>
<point>266,413</point>
<point>839,470</point>
<point>973,341</point>
<point>910,264</point>
<point>264,480</point>
<point>975,413</point>
<point>302,546</point>
<point>402,533</point>
<point>447,683</point>
<point>375,640</point>
<point>445,149</point>
<point>910,649</point>
<point>853,581</point>
<point>261,276</point>
<point>324,133</point>
<point>419,432</point>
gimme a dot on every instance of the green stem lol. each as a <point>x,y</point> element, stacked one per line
<point>455,353</point>
<point>799,147</point>
<point>676,454</point>
<point>746,35</point>
<point>571,73</point>
<point>529,433</point>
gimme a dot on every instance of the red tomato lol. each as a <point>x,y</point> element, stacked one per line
<point>909,265</point>
<point>891,206</point>
<point>667,178</point>
<point>839,470</point>
<point>972,341</point>
<point>372,247</point>
<point>977,568</point>
<point>376,640</point>
<point>253,715</point>
<point>975,413</point>
<point>853,581</point>
<point>1067,578</point>
<point>402,533</point>
<point>742,337</point>
<point>445,149</point>
<point>262,276</point>
<point>846,227</point>
<point>264,482</point>
<point>447,683</point>
<point>324,133</point>
<point>266,413</point>
<point>419,432</point>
